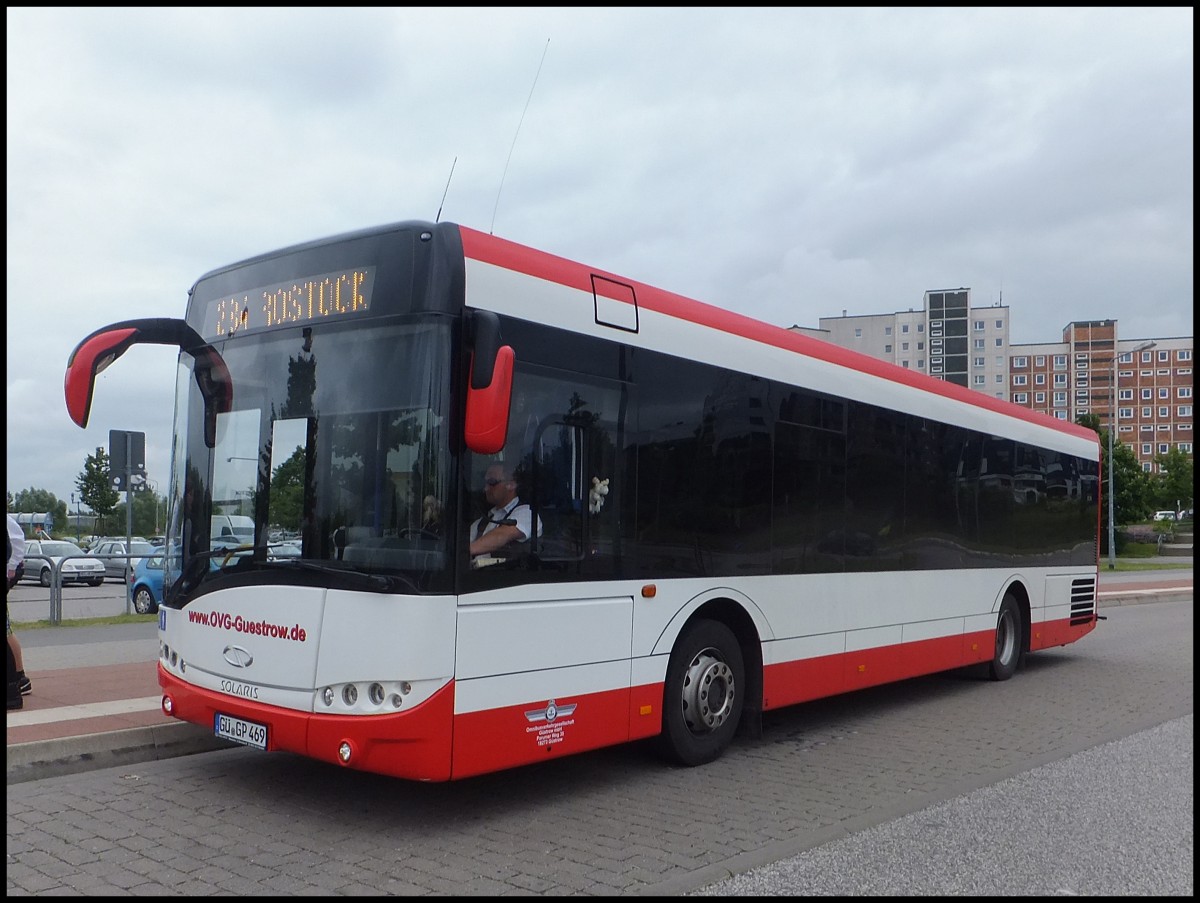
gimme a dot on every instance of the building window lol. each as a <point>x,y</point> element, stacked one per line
<point>979,325</point>
<point>1060,362</point>
<point>904,364</point>
<point>887,349</point>
<point>1147,357</point>
<point>1039,379</point>
<point>887,330</point>
<point>1147,449</point>
<point>1185,447</point>
<point>1164,356</point>
<point>921,363</point>
<point>1060,379</point>
<point>1000,378</point>
<point>977,380</point>
<point>977,362</point>
<point>858,332</point>
<point>1164,412</point>
<point>1021,398</point>
<point>904,327</point>
<point>1147,394</point>
<point>1164,393</point>
<point>1125,413</point>
<point>1061,415</point>
<point>979,344</point>
<point>1039,397</point>
<point>920,346</point>
<point>1039,360</point>
<point>1147,413</point>
<point>999,324</point>
<point>1184,354</point>
<point>920,327</point>
<point>1184,392</point>
<point>1060,398</point>
<point>1184,410</point>
<point>904,346</point>
<point>1020,379</point>
<point>1163,448</point>
<point>1000,343</point>
<point>1125,394</point>
<point>1020,362</point>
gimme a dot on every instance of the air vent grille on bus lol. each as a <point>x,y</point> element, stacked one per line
<point>1083,600</point>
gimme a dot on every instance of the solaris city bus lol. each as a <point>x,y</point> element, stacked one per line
<point>784,520</point>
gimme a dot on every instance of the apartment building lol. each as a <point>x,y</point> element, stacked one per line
<point>951,340</point>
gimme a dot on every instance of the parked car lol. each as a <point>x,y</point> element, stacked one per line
<point>77,568</point>
<point>112,553</point>
<point>1164,515</point>
<point>146,588</point>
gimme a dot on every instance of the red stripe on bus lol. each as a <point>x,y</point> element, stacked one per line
<point>542,265</point>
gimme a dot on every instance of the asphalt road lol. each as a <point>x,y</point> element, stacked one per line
<point>1075,777</point>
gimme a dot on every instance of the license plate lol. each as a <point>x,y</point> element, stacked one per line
<point>245,732</point>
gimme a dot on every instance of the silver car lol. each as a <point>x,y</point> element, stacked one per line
<point>77,567</point>
<point>116,559</point>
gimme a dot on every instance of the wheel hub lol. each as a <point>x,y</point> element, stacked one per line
<point>708,692</point>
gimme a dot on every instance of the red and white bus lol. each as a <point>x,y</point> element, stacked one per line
<point>784,519</point>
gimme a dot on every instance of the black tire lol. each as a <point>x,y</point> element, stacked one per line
<point>143,601</point>
<point>98,581</point>
<point>702,696</point>
<point>44,577</point>
<point>1010,639</point>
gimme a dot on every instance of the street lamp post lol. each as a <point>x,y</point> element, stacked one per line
<point>1112,428</point>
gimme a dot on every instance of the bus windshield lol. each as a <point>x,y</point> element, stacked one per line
<point>330,465</point>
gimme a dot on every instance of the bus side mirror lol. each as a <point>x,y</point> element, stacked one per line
<point>489,388</point>
<point>107,344</point>
<point>487,407</point>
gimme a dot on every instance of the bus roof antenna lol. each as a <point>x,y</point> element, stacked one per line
<point>491,229</point>
<point>438,218</point>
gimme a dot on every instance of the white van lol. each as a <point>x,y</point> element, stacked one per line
<point>233,528</point>
<point>1164,515</point>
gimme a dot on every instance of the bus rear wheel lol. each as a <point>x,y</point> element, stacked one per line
<point>1010,633</point>
<point>702,696</point>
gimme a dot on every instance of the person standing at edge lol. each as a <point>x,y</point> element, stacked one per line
<point>18,683</point>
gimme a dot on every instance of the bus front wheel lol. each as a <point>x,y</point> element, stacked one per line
<point>702,696</point>
<point>1009,640</point>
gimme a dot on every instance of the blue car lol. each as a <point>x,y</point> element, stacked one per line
<point>146,587</point>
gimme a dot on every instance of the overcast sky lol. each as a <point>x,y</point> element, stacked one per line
<point>789,164</point>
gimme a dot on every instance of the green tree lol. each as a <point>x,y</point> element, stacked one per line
<point>95,489</point>
<point>148,515</point>
<point>1174,481</point>
<point>287,492</point>
<point>1134,496</point>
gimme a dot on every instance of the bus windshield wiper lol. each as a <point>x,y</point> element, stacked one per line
<point>379,582</point>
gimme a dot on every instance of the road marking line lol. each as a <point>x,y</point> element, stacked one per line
<point>88,710</point>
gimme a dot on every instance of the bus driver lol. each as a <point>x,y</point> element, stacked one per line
<point>507,522</point>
